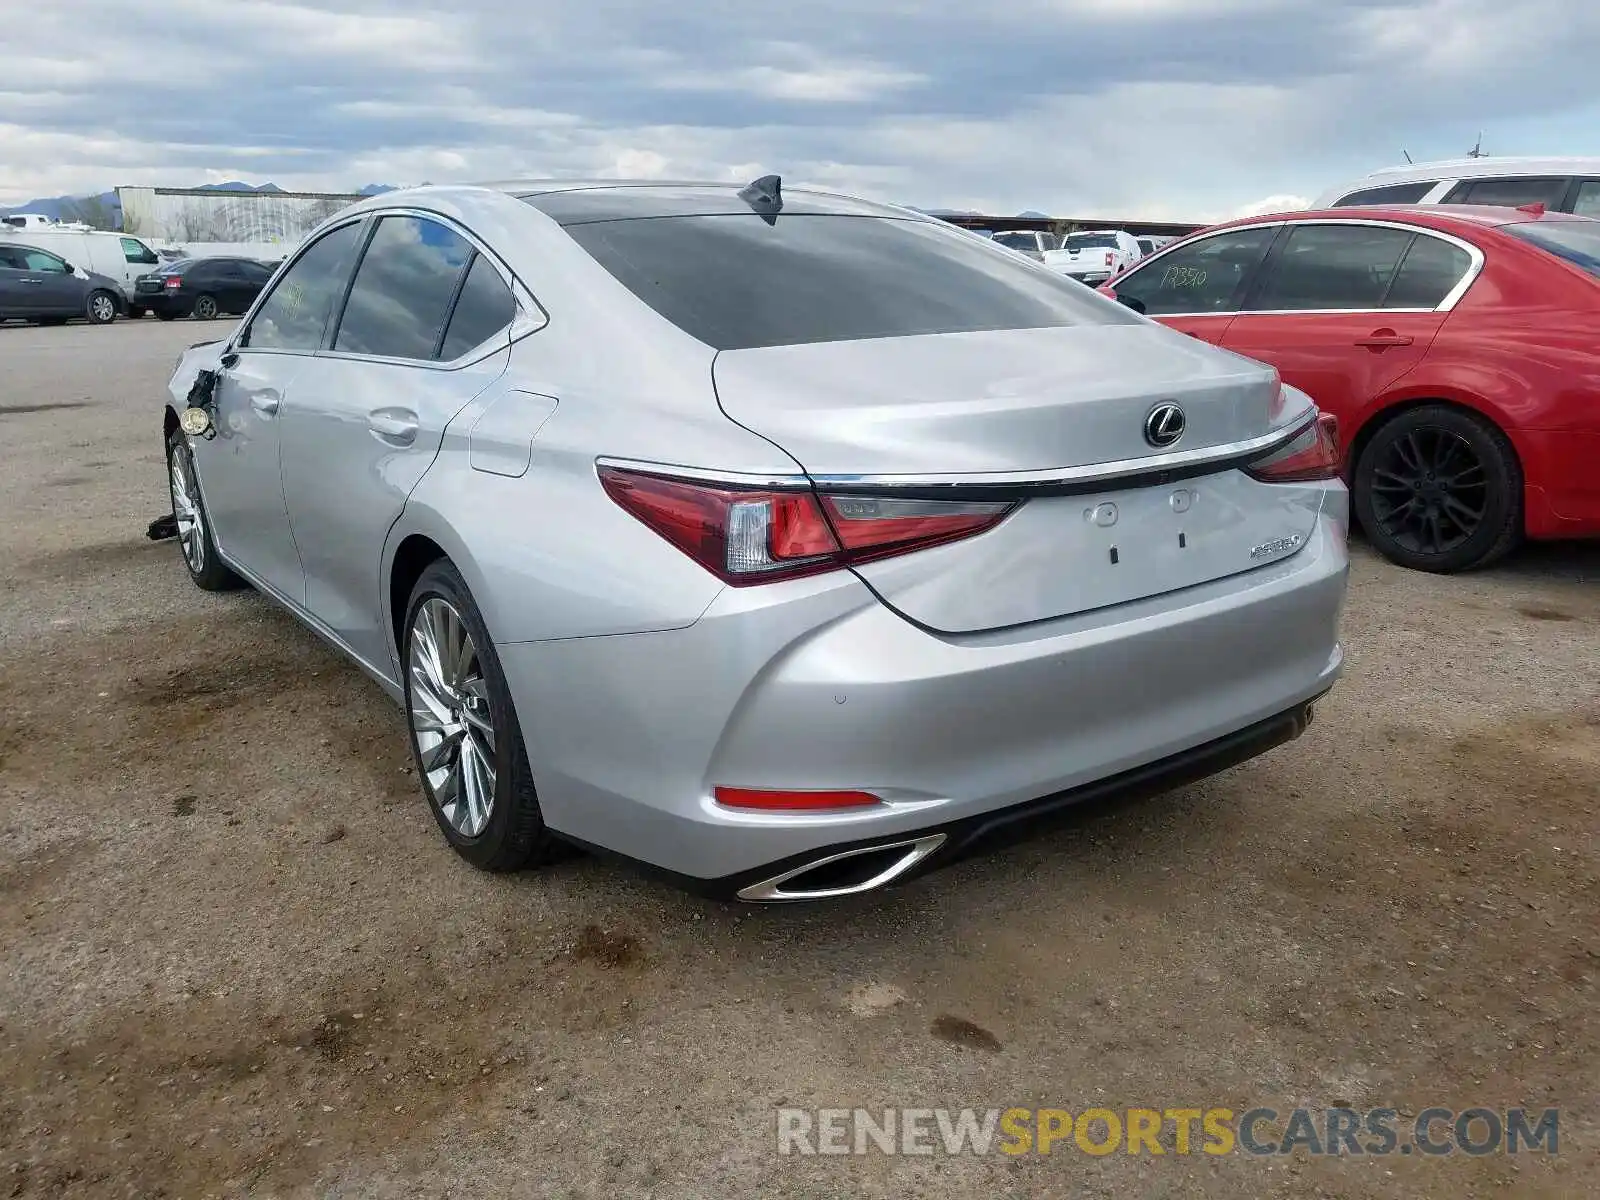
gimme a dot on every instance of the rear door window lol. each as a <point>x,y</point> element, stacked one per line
<point>403,290</point>
<point>1586,203</point>
<point>1393,193</point>
<point>1332,267</point>
<point>1549,190</point>
<point>1428,273</point>
<point>483,309</point>
<point>295,313</point>
<point>1208,276</point>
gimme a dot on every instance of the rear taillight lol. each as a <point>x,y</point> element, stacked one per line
<point>1110,258</point>
<point>1312,455</point>
<point>748,535</point>
<point>173,281</point>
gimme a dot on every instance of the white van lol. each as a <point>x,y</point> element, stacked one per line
<point>118,256</point>
<point>1561,184</point>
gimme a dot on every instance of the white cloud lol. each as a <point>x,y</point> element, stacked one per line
<point>1182,109</point>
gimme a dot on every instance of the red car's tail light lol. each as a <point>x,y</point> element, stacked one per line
<point>746,535</point>
<point>1313,455</point>
<point>772,800</point>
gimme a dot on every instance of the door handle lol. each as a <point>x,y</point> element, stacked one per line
<point>397,426</point>
<point>1379,339</point>
<point>266,403</point>
<point>34,282</point>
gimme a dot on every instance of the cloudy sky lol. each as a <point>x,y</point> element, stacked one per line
<point>1188,109</point>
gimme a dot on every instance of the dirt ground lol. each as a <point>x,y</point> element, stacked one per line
<point>239,959</point>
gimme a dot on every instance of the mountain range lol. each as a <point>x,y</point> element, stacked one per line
<point>85,208</point>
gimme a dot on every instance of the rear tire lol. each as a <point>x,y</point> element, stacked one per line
<point>101,308</point>
<point>1439,489</point>
<point>205,308</point>
<point>463,729</point>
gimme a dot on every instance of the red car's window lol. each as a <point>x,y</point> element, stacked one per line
<point>1332,267</point>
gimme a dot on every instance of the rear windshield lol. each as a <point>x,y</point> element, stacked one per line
<point>1576,241</point>
<point>735,282</point>
<point>177,268</point>
<point>1090,241</point>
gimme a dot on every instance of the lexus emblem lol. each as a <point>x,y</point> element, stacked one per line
<point>1164,425</point>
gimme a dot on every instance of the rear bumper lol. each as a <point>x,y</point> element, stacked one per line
<point>818,685</point>
<point>1561,497</point>
<point>1091,277</point>
<point>793,879</point>
<point>160,302</point>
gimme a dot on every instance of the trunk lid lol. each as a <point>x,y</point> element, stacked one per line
<point>971,407</point>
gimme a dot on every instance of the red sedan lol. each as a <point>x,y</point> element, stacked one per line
<point>1458,347</point>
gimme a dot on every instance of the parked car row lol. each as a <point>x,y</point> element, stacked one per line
<point>1455,345</point>
<point>39,285</point>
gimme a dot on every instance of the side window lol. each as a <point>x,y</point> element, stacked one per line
<point>1208,276</point>
<point>295,313</point>
<point>1431,268</point>
<point>1587,203</point>
<point>11,259</point>
<point>1548,190</point>
<point>1332,267</point>
<point>403,290</point>
<point>135,251</point>
<point>483,309</point>
<point>38,260</point>
<point>1394,193</point>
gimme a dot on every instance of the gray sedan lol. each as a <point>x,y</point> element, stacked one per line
<point>786,543</point>
<point>36,285</point>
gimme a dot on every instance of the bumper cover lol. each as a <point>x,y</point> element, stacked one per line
<point>954,840</point>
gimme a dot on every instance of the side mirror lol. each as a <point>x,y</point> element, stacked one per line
<point>71,270</point>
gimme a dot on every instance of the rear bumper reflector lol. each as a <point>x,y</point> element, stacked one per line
<point>770,800</point>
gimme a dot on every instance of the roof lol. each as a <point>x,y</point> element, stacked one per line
<point>1448,218</point>
<point>609,200</point>
<point>1487,165</point>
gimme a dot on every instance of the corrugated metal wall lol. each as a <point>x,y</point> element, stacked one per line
<point>182,215</point>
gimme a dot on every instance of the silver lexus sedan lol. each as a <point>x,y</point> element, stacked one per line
<point>785,543</point>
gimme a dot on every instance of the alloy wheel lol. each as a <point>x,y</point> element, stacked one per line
<point>101,308</point>
<point>205,308</point>
<point>187,509</point>
<point>1430,491</point>
<point>450,716</point>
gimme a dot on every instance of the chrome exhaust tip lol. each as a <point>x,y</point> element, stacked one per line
<point>883,864</point>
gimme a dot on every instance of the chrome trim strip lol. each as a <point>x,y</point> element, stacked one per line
<point>1119,469</point>
<point>531,315</point>
<point>766,483</point>
<point>1451,298</point>
<point>916,850</point>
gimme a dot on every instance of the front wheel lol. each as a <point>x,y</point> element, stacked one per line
<point>102,308</point>
<point>465,738</point>
<point>194,529</point>
<point>205,308</point>
<point>1440,489</point>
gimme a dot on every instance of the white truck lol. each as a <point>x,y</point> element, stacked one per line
<point>1094,255</point>
<point>1032,242</point>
